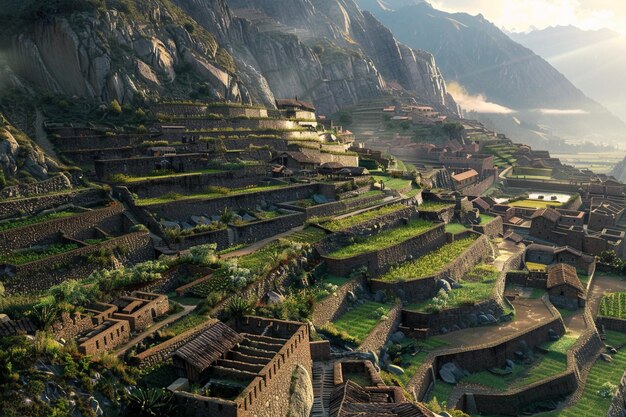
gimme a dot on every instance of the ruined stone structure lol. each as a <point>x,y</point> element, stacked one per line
<point>261,356</point>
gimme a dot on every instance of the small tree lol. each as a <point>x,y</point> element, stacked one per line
<point>115,107</point>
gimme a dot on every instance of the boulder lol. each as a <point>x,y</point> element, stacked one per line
<point>491,319</point>
<point>473,319</point>
<point>351,296</point>
<point>482,319</point>
<point>170,225</point>
<point>606,357</point>
<point>301,393</point>
<point>510,364</point>
<point>248,218</point>
<point>552,335</point>
<point>395,369</point>
<point>380,296</point>
<point>397,337</point>
<point>273,297</point>
<point>320,199</point>
<point>447,376</point>
<point>442,284</point>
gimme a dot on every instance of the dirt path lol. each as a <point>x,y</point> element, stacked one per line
<point>42,137</point>
<point>139,338</point>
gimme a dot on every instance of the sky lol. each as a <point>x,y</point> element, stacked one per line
<point>522,15</point>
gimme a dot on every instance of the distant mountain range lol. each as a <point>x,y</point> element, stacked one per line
<point>595,61</point>
<point>492,67</point>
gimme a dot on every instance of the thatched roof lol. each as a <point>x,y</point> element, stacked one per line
<point>209,346</point>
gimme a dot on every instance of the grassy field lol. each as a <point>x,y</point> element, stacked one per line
<point>455,228</point>
<point>613,305</point>
<point>384,239</point>
<point>361,320</point>
<point>591,402</point>
<point>434,206</point>
<point>131,179</point>
<point>538,204</point>
<point>430,263</point>
<point>336,225</point>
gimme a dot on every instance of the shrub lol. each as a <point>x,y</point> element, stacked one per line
<point>115,107</point>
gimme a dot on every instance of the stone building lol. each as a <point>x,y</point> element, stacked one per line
<point>464,179</point>
<point>604,214</point>
<point>481,163</point>
<point>244,372</point>
<point>549,255</point>
<point>564,287</point>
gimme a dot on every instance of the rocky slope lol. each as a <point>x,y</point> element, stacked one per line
<point>476,54</point>
<point>326,51</point>
<point>20,158</point>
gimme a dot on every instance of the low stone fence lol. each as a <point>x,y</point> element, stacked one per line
<point>532,279</point>
<point>380,261</point>
<point>33,205</point>
<point>424,288</point>
<point>332,208</point>
<point>164,351</point>
<point>108,219</point>
<point>45,273</point>
<point>383,330</point>
<point>333,306</point>
<point>492,229</point>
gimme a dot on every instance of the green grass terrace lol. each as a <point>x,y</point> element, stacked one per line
<point>342,224</point>
<point>361,320</point>
<point>14,224</point>
<point>429,264</point>
<point>537,204</point>
<point>127,179</point>
<point>208,195</point>
<point>477,286</point>
<point>434,206</point>
<point>384,239</point>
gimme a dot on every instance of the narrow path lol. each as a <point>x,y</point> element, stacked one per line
<point>323,385</point>
<point>258,245</point>
<point>41,136</point>
<point>139,338</point>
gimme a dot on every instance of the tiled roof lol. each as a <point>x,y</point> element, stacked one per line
<point>547,213</point>
<point>465,175</point>
<point>561,274</point>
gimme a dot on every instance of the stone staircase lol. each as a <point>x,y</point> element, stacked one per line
<point>323,384</point>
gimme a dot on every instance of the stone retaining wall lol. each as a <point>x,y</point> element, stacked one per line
<point>33,205</point>
<point>220,237</point>
<point>184,209</point>
<point>612,323</point>
<point>45,273</point>
<point>164,351</point>
<point>139,166</point>
<point>424,288</point>
<point>383,330</point>
<point>255,231</point>
<point>192,183</point>
<point>492,229</point>
<point>108,219</point>
<point>333,306</point>
<point>480,187</point>
<point>380,261</point>
<point>55,184</point>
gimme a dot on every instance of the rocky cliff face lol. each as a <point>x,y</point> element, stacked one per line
<point>149,50</point>
<point>20,158</point>
<point>325,51</point>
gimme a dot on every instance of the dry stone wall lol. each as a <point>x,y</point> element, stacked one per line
<point>492,229</point>
<point>383,330</point>
<point>108,219</point>
<point>52,185</point>
<point>424,288</point>
<point>380,261</point>
<point>333,306</point>
<point>33,205</point>
<point>45,273</point>
<point>618,405</point>
<point>255,231</point>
